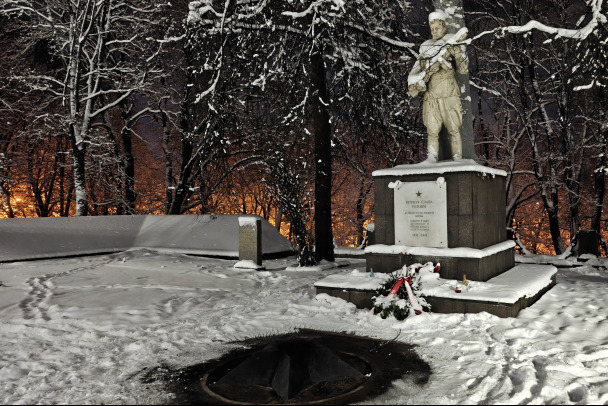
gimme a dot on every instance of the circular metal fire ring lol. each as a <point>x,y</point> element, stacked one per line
<point>317,393</point>
<point>307,367</point>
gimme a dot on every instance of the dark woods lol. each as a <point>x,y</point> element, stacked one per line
<point>285,109</point>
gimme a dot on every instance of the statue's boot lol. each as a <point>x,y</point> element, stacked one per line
<point>456,146</point>
<point>433,148</point>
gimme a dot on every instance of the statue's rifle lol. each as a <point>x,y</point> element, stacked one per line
<point>424,74</point>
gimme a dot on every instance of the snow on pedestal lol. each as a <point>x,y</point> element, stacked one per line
<point>248,221</point>
<point>425,168</point>
<point>460,252</point>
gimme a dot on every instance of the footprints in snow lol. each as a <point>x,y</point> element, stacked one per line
<point>37,301</point>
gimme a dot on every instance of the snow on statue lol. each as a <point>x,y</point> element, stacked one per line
<point>433,74</point>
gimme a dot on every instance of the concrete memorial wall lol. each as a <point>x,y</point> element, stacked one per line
<point>207,235</point>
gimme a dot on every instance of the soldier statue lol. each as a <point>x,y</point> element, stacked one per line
<point>433,74</point>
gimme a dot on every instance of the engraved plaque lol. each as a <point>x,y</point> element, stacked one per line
<point>421,214</point>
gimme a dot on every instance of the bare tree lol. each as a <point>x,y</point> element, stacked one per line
<point>540,99</point>
<point>326,52</point>
<point>104,59</point>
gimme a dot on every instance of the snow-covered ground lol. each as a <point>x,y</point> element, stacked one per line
<point>85,330</point>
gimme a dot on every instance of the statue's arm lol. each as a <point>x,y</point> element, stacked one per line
<point>460,59</point>
<point>416,79</point>
<point>415,88</point>
<point>459,52</point>
<point>431,70</point>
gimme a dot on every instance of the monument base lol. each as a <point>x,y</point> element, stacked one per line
<point>448,212</point>
<point>503,296</point>
<point>477,265</point>
<point>452,213</point>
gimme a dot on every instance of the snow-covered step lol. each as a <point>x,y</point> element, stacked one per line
<point>504,295</point>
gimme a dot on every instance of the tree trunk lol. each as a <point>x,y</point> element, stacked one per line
<point>278,219</point>
<point>359,215</point>
<point>324,247</point>
<point>78,130</point>
<point>80,185</point>
<point>7,196</point>
<point>168,161</point>
<point>599,174</point>
<point>64,195</point>
<point>599,189</point>
<point>187,148</point>
<point>181,191</point>
<point>551,203</point>
<point>129,170</point>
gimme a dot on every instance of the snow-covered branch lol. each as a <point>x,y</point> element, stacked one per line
<point>597,19</point>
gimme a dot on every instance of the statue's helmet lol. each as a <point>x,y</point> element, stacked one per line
<point>437,15</point>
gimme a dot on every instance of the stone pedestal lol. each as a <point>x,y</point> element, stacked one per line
<point>473,211</point>
<point>250,239</point>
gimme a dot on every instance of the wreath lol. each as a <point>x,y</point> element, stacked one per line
<point>401,294</point>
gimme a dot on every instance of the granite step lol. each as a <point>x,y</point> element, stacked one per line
<point>504,295</point>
